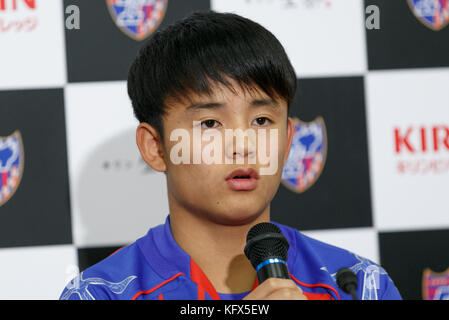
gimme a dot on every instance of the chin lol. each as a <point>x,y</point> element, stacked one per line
<point>238,215</point>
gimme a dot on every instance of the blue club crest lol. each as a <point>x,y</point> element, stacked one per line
<point>432,13</point>
<point>11,165</point>
<point>137,18</point>
<point>307,155</point>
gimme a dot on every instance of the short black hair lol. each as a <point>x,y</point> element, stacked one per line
<point>202,49</point>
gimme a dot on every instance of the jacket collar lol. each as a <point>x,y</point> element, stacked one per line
<point>167,258</point>
<point>162,252</point>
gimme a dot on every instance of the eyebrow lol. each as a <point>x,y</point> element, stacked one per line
<point>196,106</point>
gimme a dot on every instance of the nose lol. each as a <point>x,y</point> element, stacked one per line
<point>240,144</point>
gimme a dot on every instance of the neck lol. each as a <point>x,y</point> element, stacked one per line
<point>217,249</point>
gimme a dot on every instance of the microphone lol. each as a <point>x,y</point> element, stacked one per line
<point>347,281</point>
<point>266,249</point>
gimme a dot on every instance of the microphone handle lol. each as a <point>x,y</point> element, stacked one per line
<point>352,290</point>
<point>272,270</point>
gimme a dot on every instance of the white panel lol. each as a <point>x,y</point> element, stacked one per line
<point>32,45</point>
<point>321,37</point>
<point>36,272</point>
<point>115,197</point>
<point>361,241</point>
<point>410,179</point>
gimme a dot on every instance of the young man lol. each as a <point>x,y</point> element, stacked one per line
<point>207,74</point>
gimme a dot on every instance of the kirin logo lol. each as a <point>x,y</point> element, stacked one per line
<point>18,16</point>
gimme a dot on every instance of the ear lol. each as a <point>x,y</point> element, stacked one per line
<point>290,132</point>
<point>150,147</point>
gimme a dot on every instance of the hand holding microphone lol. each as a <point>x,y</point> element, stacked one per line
<point>266,248</point>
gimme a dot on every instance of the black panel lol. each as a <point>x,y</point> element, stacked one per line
<point>405,256</point>
<point>99,50</point>
<point>39,211</point>
<point>340,198</point>
<point>403,41</point>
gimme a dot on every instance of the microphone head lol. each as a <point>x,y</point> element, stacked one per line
<point>264,241</point>
<point>346,279</point>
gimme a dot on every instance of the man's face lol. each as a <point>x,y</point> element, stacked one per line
<point>205,181</point>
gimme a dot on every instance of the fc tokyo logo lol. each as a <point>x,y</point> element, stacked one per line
<point>435,285</point>
<point>307,155</point>
<point>137,18</point>
<point>432,13</point>
<point>11,165</point>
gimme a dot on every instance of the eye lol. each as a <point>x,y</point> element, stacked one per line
<point>262,121</point>
<point>208,124</point>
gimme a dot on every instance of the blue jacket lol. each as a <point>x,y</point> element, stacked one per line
<point>155,267</point>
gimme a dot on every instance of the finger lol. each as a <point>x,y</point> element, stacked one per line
<point>271,285</point>
<point>287,294</point>
<point>276,283</point>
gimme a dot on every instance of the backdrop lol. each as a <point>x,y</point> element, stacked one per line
<point>368,170</point>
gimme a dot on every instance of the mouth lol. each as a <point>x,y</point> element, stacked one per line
<point>243,179</point>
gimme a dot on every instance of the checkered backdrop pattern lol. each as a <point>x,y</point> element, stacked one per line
<point>79,189</point>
